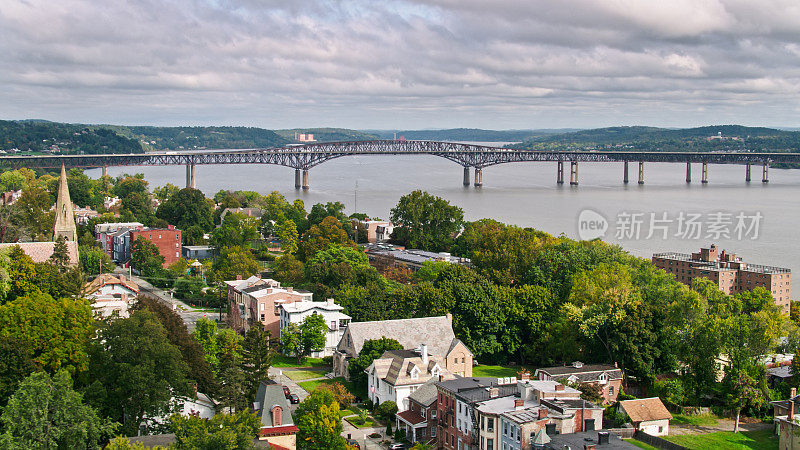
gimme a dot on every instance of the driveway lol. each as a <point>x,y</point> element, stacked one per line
<point>276,375</point>
<point>186,312</point>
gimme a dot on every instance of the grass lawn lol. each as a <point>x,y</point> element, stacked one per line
<point>723,440</point>
<point>303,374</point>
<point>495,371</point>
<point>311,385</point>
<point>704,420</point>
<point>640,444</point>
<point>288,361</point>
<point>368,424</point>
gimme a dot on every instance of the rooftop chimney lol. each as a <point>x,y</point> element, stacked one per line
<point>542,413</point>
<point>790,416</point>
<point>577,364</point>
<point>525,376</point>
<point>330,301</point>
<point>494,392</point>
<point>793,393</point>
<point>423,353</point>
<point>559,387</point>
<point>238,277</point>
<point>519,403</point>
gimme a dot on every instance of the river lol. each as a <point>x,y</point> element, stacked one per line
<point>757,221</point>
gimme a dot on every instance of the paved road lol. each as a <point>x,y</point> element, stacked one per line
<point>189,314</point>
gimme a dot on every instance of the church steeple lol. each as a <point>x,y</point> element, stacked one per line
<point>65,216</point>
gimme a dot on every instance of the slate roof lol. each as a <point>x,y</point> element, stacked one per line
<point>41,251</point>
<point>476,389</point>
<point>578,440</point>
<point>268,396</point>
<point>645,409</point>
<point>396,367</point>
<point>780,372</point>
<point>435,332</point>
<point>586,373</point>
<point>411,417</point>
<point>426,394</point>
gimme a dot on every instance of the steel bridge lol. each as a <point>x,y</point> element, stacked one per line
<point>303,157</point>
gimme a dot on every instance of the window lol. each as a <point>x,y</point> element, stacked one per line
<point>433,414</point>
<point>177,254</point>
<point>490,444</point>
<point>519,432</point>
<point>433,432</point>
<point>263,317</point>
<point>422,432</point>
<point>611,390</point>
<point>490,424</point>
<point>505,428</point>
<point>660,429</point>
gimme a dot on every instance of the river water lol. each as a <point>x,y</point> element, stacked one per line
<point>757,221</point>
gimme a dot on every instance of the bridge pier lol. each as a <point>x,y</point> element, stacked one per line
<point>466,176</point>
<point>297,179</point>
<point>478,177</point>
<point>105,171</point>
<point>625,173</point>
<point>688,172</point>
<point>560,175</point>
<point>305,179</point>
<point>641,172</point>
<point>704,173</point>
<point>191,181</point>
<point>573,173</point>
<point>747,173</point>
<point>765,173</point>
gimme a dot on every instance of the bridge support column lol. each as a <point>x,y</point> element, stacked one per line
<point>478,177</point>
<point>641,172</point>
<point>466,176</point>
<point>573,173</point>
<point>625,173</point>
<point>305,179</point>
<point>747,173</point>
<point>688,172</point>
<point>765,173</point>
<point>704,173</point>
<point>297,178</point>
<point>191,181</point>
<point>560,176</point>
<point>105,171</point>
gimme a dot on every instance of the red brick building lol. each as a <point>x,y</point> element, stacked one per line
<point>728,272</point>
<point>168,241</point>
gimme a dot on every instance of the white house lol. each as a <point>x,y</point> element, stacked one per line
<point>336,320</point>
<point>399,373</point>
<point>111,294</point>
<point>200,405</point>
<point>648,415</point>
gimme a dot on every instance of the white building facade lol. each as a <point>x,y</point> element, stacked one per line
<point>335,319</point>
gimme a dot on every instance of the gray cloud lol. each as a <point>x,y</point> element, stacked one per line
<point>424,63</point>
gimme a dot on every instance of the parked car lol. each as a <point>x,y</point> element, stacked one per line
<point>398,446</point>
<point>294,399</point>
<point>286,391</point>
<point>354,443</point>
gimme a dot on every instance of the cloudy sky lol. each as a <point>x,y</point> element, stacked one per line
<point>402,64</point>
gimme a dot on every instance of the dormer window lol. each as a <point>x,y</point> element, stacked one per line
<point>277,416</point>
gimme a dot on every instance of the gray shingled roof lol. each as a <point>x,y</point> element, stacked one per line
<point>435,332</point>
<point>588,372</point>
<point>267,396</point>
<point>426,394</point>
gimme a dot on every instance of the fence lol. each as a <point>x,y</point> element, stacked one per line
<point>657,442</point>
<point>624,433</point>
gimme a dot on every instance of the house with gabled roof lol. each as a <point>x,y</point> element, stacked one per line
<point>436,332</point>
<point>606,377</point>
<point>272,410</point>
<point>399,373</point>
<point>647,414</point>
<point>419,421</point>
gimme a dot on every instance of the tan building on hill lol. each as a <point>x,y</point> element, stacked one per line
<point>436,332</point>
<point>729,272</point>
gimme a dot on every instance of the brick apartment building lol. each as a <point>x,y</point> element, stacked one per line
<point>168,241</point>
<point>728,272</point>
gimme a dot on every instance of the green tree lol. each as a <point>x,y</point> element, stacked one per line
<point>258,351</point>
<point>235,230</point>
<point>193,235</point>
<point>94,261</point>
<point>46,413</point>
<point>16,363</point>
<point>165,192</point>
<point>221,432</point>
<point>199,369</point>
<point>370,351</point>
<point>286,231</point>
<point>318,422</point>
<point>230,372</point>
<point>233,261</point>
<point>425,222</point>
<point>146,258</point>
<point>321,236</point>
<point>54,330</point>
<point>135,371</point>
<point>205,333</point>
<point>33,212</point>
<point>288,270</point>
<point>187,207</point>
<point>313,330</point>
<point>336,265</point>
<point>292,342</point>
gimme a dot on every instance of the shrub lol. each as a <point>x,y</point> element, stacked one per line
<point>386,410</point>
